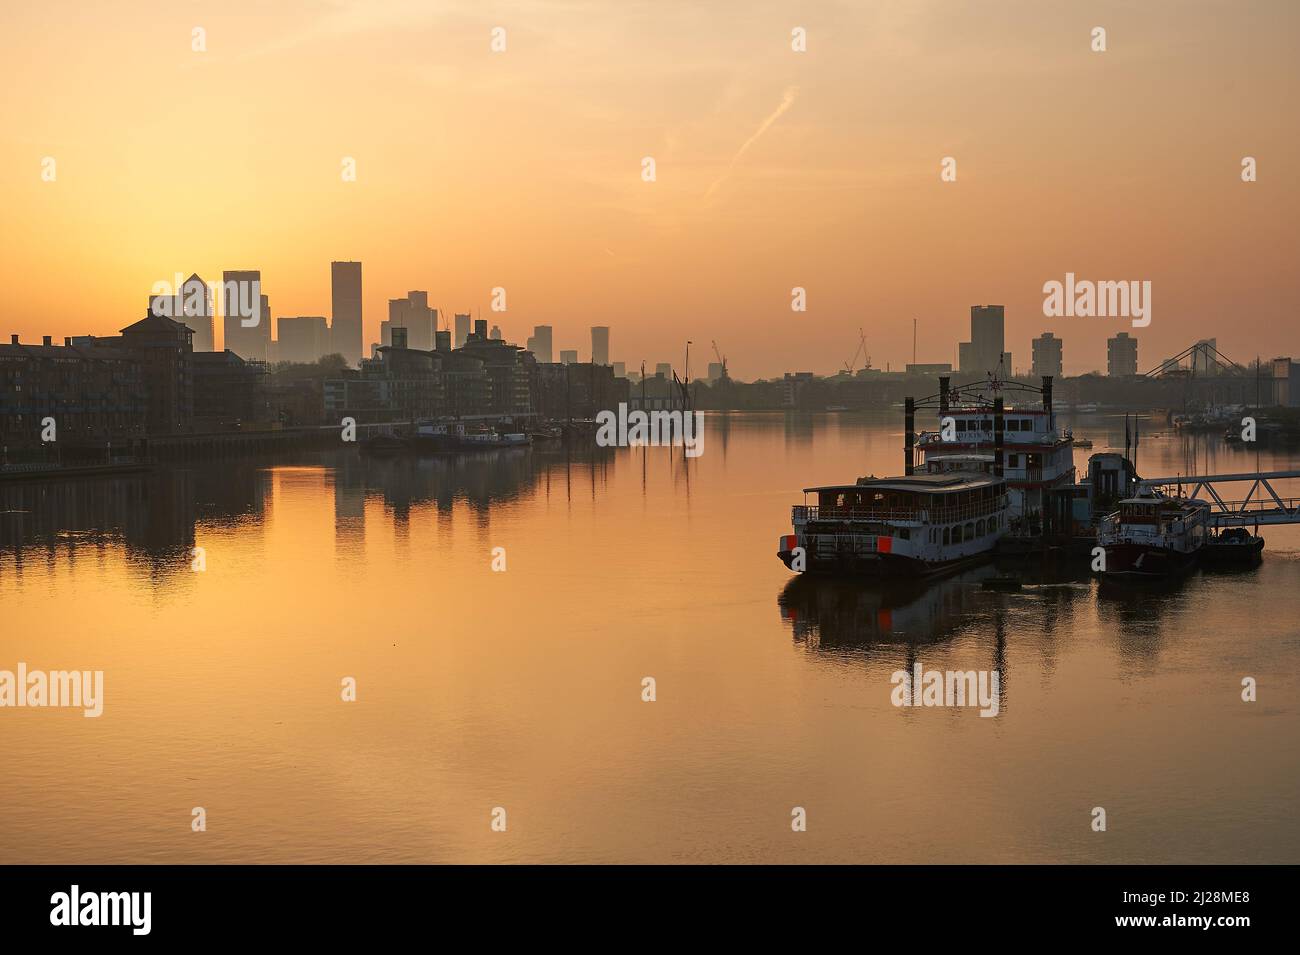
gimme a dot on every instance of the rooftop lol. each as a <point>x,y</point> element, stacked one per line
<point>934,483</point>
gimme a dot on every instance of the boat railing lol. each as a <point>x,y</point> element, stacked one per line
<point>933,515</point>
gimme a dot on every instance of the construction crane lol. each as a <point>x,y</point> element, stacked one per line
<point>722,360</point>
<point>862,350</point>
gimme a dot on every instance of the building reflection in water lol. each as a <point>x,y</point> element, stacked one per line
<point>153,516</point>
<point>799,430</point>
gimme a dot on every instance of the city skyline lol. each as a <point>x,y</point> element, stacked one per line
<point>306,339</point>
<point>775,169</point>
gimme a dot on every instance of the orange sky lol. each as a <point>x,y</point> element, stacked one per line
<point>522,169</point>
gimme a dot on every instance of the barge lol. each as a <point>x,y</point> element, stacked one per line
<point>917,525</point>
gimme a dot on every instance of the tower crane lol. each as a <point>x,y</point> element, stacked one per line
<point>862,350</point>
<point>722,360</point>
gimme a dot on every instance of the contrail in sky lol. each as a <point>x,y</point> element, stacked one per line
<point>786,102</point>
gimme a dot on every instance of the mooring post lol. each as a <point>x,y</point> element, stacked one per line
<point>997,436</point>
<point>909,413</point>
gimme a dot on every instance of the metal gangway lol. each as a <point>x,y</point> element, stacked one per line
<point>1261,505</point>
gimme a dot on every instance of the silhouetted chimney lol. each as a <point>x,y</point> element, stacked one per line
<point>46,340</point>
<point>67,341</point>
<point>13,339</point>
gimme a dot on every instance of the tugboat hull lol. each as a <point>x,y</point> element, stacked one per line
<point>1144,560</point>
<point>879,566</point>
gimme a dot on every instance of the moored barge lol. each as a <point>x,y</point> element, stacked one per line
<point>918,525</point>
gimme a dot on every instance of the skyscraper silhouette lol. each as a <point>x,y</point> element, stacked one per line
<point>600,345</point>
<point>345,292</point>
<point>246,324</point>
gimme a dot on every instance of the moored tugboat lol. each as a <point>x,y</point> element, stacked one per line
<point>946,517</point>
<point>1153,535</point>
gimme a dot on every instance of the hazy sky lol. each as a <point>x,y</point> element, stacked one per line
<point>775,169</point>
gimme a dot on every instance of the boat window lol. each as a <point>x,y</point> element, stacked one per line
<point>947,536</point>
<point>979,528</point>
<point>905,533</point>
<point>969,533</point>
<point>961,424</point>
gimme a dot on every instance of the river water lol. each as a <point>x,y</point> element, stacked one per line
<point>521,689</point>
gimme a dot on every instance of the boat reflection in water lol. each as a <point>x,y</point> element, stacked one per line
<point>843,613</point>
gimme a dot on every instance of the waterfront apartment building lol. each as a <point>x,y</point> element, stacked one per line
<point>302,339</point>
<point>94,393</point>
<point>984,354</point>
<point>345,304</point>
<point>568,356</point>
<point>166,353</point>
<point>462,330</point>
<point>508,368</point>
<point>600,345</point>
<point>100,388</point>
<point>1047,356</point>
<point>793,385</point>
<point>1122,356</point>
<point>485,377</point>
<point>229,392</point>
<point>414,314</point>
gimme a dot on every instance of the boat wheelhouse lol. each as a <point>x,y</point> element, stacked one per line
<point>949,515</point>
<point>1153,535</point>
<point>1038,457</point>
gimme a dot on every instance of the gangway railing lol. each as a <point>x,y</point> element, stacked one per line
<point>1261,505</point>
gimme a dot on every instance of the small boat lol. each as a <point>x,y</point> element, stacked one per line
<point>490,440</point>
<point>1234,545</point>
<point>1153,535</point>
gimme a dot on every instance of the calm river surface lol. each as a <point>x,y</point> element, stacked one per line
<point>522,689</point>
